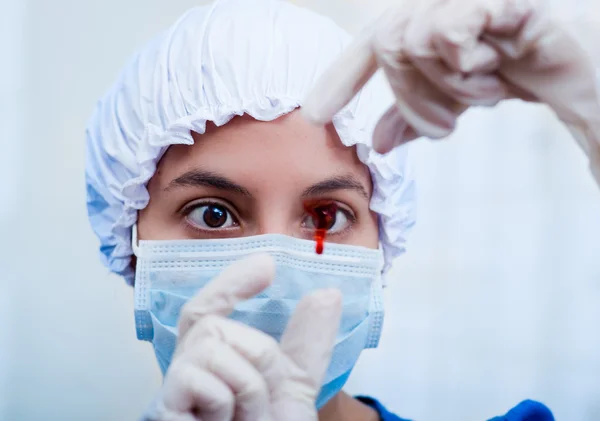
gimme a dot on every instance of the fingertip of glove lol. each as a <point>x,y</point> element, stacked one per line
<point>328,298</point>
<point>260,265</point>
<point>313,114</point>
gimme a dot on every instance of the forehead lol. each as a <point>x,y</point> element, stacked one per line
<point>287,151</point>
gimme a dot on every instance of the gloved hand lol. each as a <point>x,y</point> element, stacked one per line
<point>223,370</point>
<point>441,56</point>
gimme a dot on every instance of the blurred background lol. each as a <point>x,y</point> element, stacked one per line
<point>497,300</point>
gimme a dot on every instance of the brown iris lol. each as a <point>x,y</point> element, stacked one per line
<point>214,216</point>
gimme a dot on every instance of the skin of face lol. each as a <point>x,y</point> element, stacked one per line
<point>250,177</point>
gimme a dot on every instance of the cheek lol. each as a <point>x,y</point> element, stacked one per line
<point>366,233</point>
<point>372,231</point>
<point>157,223</point>
<point>158,220</point>
<point>144,224</point>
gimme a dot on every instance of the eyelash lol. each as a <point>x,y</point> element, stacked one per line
<point>350,216</point>
<point>189,208</point>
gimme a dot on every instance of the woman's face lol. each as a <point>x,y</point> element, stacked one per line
<point>251,177</point>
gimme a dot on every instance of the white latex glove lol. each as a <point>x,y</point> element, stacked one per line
<point>224,370</point>
<point>441,56</point>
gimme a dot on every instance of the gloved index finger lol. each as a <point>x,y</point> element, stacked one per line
<point>238,282</point>
<point>310,335</point>
<point>340,82</point>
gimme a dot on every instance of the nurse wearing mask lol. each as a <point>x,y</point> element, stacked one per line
<point>206,185</point>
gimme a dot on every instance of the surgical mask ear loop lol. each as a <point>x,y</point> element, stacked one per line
<point>382,276</point>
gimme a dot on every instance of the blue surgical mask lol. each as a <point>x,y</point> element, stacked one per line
<point>170,273</point>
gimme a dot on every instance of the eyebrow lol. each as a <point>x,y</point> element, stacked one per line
<point>343,182</point>
<point>198,177</point>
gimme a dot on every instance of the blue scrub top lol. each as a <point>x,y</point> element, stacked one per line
<point>525,411</point>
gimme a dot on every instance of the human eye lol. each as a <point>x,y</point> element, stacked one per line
<point>210,215</point>
<point>332,217</point>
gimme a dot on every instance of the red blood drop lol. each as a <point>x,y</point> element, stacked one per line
<point>323,219</point>
<point>319,238</point>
